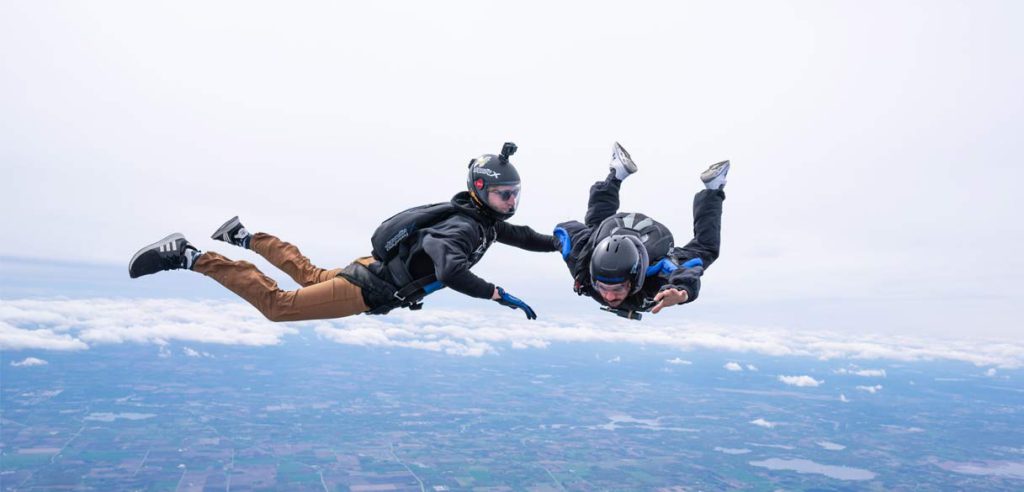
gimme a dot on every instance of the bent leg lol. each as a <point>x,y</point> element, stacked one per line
<point>287,257</point>
<point>604,200</point>
<point>332,298</point>
<point>707,227</point>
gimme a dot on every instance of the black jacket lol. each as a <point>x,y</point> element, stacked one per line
<point>582,245</point>
<point>451,247</point>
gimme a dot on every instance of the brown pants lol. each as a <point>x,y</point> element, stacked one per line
<point>323,294</point>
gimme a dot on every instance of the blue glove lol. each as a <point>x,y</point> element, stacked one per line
<point>563,240</point>
<point>514,303</point>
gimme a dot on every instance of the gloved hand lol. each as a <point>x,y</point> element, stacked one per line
<point>506,299</point>
<point>563,241</point>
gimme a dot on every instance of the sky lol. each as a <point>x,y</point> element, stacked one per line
<point>874,144</point>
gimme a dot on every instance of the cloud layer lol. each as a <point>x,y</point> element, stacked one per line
<point>64,324</point>
<point>77,324</point>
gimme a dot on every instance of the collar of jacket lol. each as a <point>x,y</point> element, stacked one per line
<point>464,203</point>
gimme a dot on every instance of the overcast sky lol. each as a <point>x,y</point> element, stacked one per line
<point>875,145</point>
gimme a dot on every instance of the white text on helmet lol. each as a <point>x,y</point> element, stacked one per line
<point>486,172</point>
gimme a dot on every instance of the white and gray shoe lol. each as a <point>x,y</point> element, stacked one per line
<point>714,177</point>
<point>173,252</point>
<point>622,164</point>
<point>233,232</point>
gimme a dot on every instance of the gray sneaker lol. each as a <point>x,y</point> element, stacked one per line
<point>622,164</point>
<point>715,176</point>
<point>233,232</point>
<point>173,252</point>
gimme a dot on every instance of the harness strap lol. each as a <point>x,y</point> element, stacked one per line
<point>384,297</point>
<point>419,288</point>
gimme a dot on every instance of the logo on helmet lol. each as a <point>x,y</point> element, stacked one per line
<point>486,172</point>
<point>479,184</point>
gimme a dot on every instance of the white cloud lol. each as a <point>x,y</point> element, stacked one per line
<point>110,417</point>
<point>801,381</point>
<point>29,362</point>
<point>751,367</point>
<point>189,351</point>
<point>679,362</point>
<point>77,324</point>
<point>732,366</point>
<point>843,398</point>
<point>990,372</point>
<point>902,429</point>
<point>868,373</point>
<point>732,450</point>
<point>615,359</point>
<point>871,389</point>
<point>875,373</point>
<point>831,446</point>
<point>763,423</point>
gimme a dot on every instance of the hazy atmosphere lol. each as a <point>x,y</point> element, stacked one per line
<point>861,327</point>
<point>874,144</point>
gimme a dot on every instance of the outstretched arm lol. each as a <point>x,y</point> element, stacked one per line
<point>524,237</point>
<point>450,248</point>
<point>682,283</point>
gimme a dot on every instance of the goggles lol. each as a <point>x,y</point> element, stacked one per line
<point>619,288</point>
<point>506,195</point>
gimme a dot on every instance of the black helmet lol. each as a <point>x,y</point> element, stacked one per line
<point>488,171</point>
<point>618,259</point>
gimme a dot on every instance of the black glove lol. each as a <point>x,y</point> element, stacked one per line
<point>514,303</point>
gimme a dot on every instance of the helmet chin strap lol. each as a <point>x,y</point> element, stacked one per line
<point>476,200</point>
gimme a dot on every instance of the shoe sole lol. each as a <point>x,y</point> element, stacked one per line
<point>716,170</point>
<point>175,237</point>
<point>224,229</point>
<point>628,161</point>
